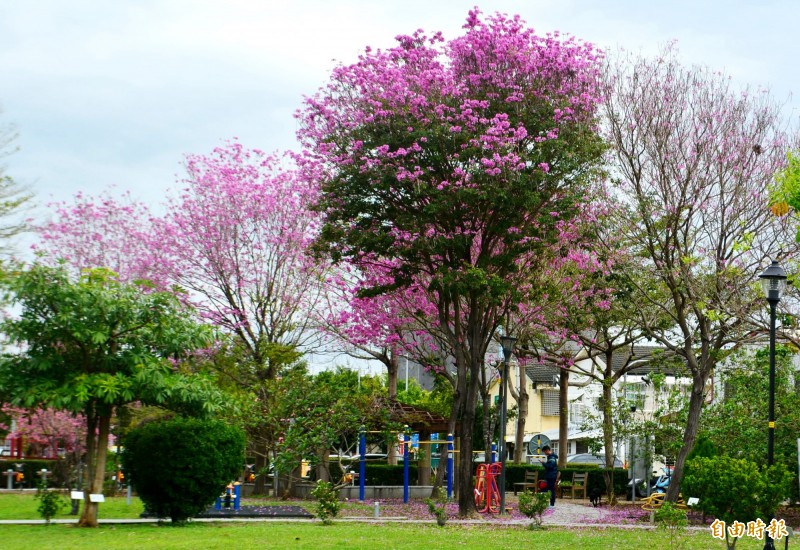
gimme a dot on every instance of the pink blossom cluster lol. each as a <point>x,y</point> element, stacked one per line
<point>99,231</point>
<point>235,239</point>
<point>48,429</point>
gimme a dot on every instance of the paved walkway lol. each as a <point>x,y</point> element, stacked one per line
<point>565,514</point>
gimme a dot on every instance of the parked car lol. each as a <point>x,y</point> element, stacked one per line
<point>589,458</point>
<point>371,457</point>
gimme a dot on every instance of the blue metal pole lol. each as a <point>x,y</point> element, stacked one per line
<point>449,466</point>
<point>491,455</point>
<point>406,439</point>
<point>237,500</point>
<point>362,449</point>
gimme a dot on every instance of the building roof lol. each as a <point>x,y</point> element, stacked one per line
<point>648,359</point>
<point>415,418</point>
<point>542,374</point>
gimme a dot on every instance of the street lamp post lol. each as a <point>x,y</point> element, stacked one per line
<point>507,342</point>
<point>774,281</point>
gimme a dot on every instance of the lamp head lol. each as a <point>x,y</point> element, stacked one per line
<point>773,281</point>
<point>507,342</point>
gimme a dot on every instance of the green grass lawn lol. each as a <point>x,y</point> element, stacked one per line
<point>345,535</point>
<point>348,535</point>
<point>23,506</point>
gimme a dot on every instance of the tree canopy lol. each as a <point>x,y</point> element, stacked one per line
<point>450,165</point>
<point>92,344</point>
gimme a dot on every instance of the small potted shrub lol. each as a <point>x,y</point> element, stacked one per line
<point>533,505</point>
<point>436,506</point>
<point>327,501</point>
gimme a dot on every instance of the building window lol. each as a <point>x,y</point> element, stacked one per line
<point>634,395</point>
<point>577,414</point>
<point>581,447</point>
<point>550,403</point>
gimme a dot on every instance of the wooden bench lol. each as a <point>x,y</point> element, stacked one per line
<point>578,485</point>
<point>531,481</point>
<point>654,502</point>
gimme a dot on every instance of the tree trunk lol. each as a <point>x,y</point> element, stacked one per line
<point>608,439</point>
<point>467,398</point>
<point>563,419</point>
<point>696,401</point>
<point>323,465</point>
<point>260,485</point>
<point>442,469</point>
<point>96,473</point>
<point>424,468</point>
<point>522,408</point>
<point>392,371</point>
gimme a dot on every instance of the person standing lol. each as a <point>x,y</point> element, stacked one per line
<point>550,472</point>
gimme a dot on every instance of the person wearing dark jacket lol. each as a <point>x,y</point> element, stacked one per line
<point>550,472</point>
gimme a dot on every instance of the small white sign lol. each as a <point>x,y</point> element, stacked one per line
<point>692,501</point>
<point>95,497</point>
<point>76,495</point>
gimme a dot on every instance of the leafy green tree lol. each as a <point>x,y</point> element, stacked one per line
<point>179,466</point>
<point>92,345</point>
<point>736,422</point>
<point>735,489</point>
<point>322,414</point>
<point>252,395</point>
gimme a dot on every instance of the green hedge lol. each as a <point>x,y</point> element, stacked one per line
<point>31,468</point>
<point>378,473</point>
<point>384,474</point>
<point>515,473</point>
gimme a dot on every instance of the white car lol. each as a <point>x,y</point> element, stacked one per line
<point>589,458</point>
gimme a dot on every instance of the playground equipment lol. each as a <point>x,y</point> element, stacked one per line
<point>231,495</point>
<point>487,493</point>
<point>406,442</point>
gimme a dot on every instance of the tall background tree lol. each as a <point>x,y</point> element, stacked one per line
<point>103,231</point>
<point>92,345</point>
<point>452,163</point>
<point>694,157</point>
<point>234,238</point>
<point>14,198</point>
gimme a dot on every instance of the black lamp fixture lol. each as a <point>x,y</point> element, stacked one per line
<point>774,282</point>
<point>507,342</point>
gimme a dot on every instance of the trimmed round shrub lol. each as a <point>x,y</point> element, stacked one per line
<point>179,467</point>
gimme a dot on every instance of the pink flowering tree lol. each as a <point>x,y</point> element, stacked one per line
<point>383,327</point>
<point>694,158</point>
<point>48,429</point>
<point>451,162</point>
<point>51,433</point>
<point>236,239</point>
<point>560,292</point>
<point>102,231</point>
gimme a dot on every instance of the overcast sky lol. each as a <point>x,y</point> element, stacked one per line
<point>115,92</point>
